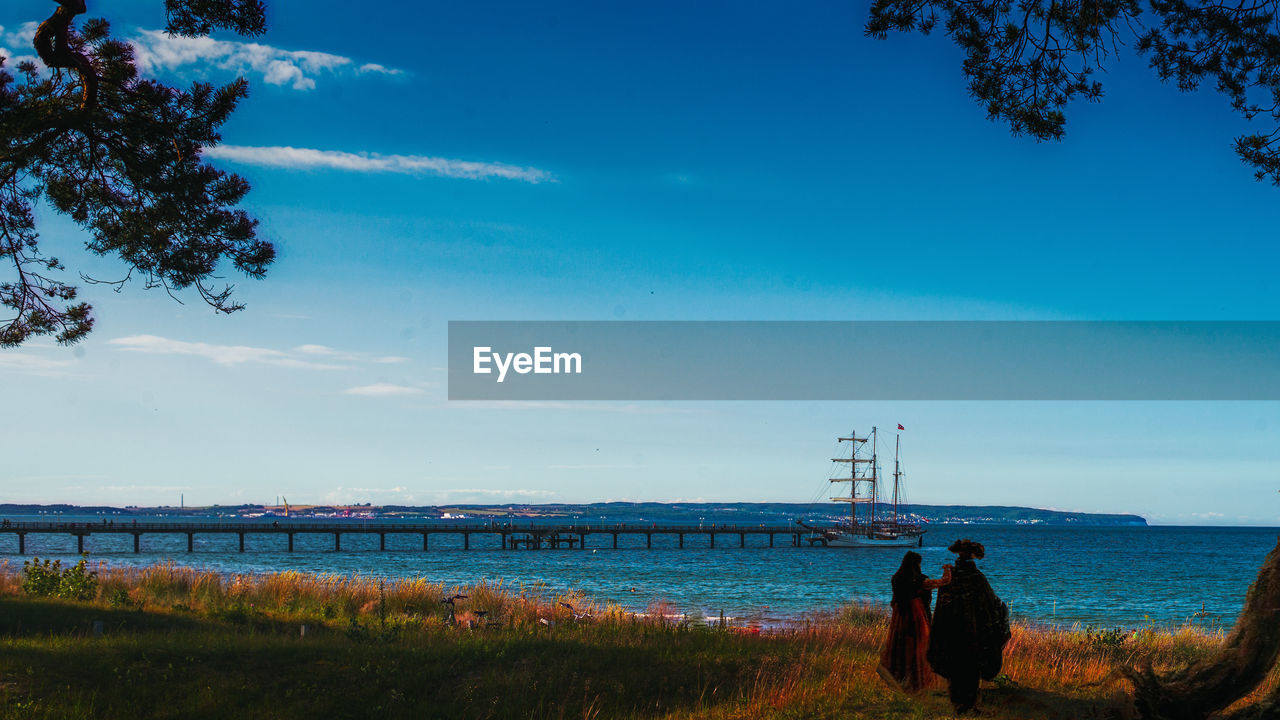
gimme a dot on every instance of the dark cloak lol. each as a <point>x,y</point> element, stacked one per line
<point>970,625</point>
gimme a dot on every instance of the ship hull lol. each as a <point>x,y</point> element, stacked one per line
<point>846,540</point>
<point>879,537</point>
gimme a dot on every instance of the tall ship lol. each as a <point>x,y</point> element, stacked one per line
<point>878,523</point>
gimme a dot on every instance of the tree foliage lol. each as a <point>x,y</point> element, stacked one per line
<point>120,155</point>
<point>1027,60</point>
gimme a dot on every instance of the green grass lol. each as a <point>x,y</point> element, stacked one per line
<point>165,665</point>
<point>179,643</point>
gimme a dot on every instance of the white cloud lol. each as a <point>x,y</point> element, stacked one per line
<point>316,350</point>
<point>489,493</point>
<point>382,390</point>
<point>20,38</point>
<point>391,359</point>
<point>325,351</point>
<point>11,360</point>
<point>155,50</point>
<point>376,68</point>
<point>347,496</point>
<point>221,354</point>
<point>310,159</point>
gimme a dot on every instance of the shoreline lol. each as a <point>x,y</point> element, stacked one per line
<point>668,610</point>
<point>1054,577</point>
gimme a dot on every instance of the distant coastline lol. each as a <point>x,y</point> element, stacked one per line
<point>621,511</point>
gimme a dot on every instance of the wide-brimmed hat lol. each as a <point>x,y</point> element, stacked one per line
<point>968,547</point>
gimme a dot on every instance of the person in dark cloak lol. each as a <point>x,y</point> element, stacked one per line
<point>969,631</point>
<point>902,662</point>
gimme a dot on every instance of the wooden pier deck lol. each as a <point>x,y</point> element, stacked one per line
<point>513,535</point>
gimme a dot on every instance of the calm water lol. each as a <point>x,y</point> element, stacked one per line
<point>1092,576</point>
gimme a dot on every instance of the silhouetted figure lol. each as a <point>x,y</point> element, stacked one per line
<point>970,629</point>
<point>902,662</point>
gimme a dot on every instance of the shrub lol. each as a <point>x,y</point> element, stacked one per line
<point>50,579</point>
<point>41,578</point>
<point>1105,639</point>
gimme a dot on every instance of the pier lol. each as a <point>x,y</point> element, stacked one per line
<point>513,535</point>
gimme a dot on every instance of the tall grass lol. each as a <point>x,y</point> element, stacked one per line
<point>332,598</point>
<point>523,650</point>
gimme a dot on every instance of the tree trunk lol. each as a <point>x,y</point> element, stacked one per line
<point>53,45</point>
<point>1212,684</point>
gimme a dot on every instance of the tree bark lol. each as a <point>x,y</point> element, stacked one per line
<point>52,44</point>
<point>1244,661</point>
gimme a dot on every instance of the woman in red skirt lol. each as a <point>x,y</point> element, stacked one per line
<point>902,662</point>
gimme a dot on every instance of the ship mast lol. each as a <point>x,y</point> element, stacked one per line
<point>875,476</point>
<point>854,478</point>
<point>897,474</point>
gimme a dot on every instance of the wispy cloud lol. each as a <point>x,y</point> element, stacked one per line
<point>383,390</point>
<point>11,360</point>
<point>13,40</point>
<point>310,356</point>
<point>335,354</point>
<point>316,350</point>
<point>346,495</point>
<point>155,51</point>
<point>492,493</point>
<point>310,159</point>
<point>221,354</point>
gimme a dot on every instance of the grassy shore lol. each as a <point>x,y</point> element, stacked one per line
<point>181,643</point>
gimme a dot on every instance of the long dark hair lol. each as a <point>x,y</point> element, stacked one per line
<point>909,578</point>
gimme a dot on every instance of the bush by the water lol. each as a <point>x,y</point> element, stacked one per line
<point>48,578</point>
<point>1106,638</point>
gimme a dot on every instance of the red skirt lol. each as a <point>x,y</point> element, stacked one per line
<point>903,656</point>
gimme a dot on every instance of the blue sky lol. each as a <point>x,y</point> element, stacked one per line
<point>665,161</point>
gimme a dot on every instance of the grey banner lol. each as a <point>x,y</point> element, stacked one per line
<point>888,360</point>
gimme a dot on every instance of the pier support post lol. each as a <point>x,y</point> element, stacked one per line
<point>615,541</point>
<point>504,542</point>
<point>337,542</point>
<point>582,541</point>
<point>795,540</point>
<point>742,540</point>
<point>770,539</point>
<point>681,535</point>
<point>290,542</point>
<point>649,540</point>
<point>137,542</point>
<point>80,544</point>
<point>241,541</point>
<point>466,541</point>
<point>382,541</point>
<point>22,543</point>
<point>191,542</point>
<point>424,541</point>
<point>713,539</point>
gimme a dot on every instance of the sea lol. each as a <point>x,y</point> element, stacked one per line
<point>1084,577</point>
